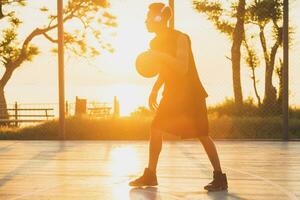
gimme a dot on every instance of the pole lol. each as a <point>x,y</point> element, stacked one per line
<point>61,87</point>
<point>285,73</point>
<point>172,20</point>
<point>16,114</point>
<point>67,109</point>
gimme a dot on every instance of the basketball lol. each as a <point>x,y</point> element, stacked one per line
<point>147,65</point>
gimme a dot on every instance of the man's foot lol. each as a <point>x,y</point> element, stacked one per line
<point>148,179</point>
<point>219,182</point>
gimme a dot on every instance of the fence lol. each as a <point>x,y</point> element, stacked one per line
<point>93,109</point>
<point>29,113</point>
<point>16,114</point>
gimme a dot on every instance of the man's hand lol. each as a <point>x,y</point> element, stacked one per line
<point>152,101</point>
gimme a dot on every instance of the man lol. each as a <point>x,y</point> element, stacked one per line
<point>182,109</point>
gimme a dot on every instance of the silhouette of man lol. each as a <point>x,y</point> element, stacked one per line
<point>182,109</point>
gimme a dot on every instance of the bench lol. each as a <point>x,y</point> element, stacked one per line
<point>104,112</point>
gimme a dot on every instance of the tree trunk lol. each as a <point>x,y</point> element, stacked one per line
<point>1,12</point>
<point>255,86</point>
<point>270,90</point>
<point>3,108</point>
<point>237,37</point>
<point>3,105</point>
<point>252,64</point>
<point>280,88</point>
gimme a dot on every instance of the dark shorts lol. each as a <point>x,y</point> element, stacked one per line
<point>186,119</point>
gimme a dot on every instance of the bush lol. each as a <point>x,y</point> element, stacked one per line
<point>249,108</point>
<point>136,128</point>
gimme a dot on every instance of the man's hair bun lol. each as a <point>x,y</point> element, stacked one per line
<point>162,9</point>
<point>167,13</point>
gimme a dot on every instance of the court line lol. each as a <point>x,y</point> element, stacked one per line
<point>291,195</point>
<point>35,192</point>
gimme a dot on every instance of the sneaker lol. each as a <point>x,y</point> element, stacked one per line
<point>219,182</point>
<point>148,179</point>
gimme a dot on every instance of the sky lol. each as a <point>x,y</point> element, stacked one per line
<point>113,74</point>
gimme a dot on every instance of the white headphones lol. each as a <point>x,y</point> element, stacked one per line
<point>158,18</point>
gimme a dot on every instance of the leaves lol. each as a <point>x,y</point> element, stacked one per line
<point>7,45</point>
<point>15,21</point>
<point>251,58</point>
<point>44,9</point>
<point>264,11</point>
<point>88,12</point>
<point>216,14</point>
<point>4,3</point>
<point>31,52</point>
<point>91,14</point>
<point>213,10</point>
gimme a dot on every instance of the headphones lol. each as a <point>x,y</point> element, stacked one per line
<point>158,17</point>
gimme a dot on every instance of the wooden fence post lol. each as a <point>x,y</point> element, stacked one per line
<point>67,108</point>
<point>16,114</point>
<point>46,113</point>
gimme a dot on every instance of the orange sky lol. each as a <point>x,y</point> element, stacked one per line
<point>101,78</point>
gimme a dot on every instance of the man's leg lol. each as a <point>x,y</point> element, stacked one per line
<point>155,146</point>
<point>219,179</point>
<point>149,176</point>
<point>211,152</point>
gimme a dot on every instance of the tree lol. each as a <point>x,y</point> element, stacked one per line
<point>253,62</point>
<point>223,20</point>
<point>237,39</point>
<point>263,13</point>
<point>3,111</point>
<point>89,13</point>
<point>267,16</point>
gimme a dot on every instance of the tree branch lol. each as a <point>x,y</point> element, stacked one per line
<point>6,76</point>
<point>50,38</point>
<point>32,35</point>
<point>1,13</point>
<point>264,44</point>
<point>273,54</point>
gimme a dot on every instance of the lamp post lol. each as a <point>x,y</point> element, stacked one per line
<point>61,86</point>
<point>285,71</point>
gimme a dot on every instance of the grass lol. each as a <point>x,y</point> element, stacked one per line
<point>138,128</point>
<point>226,121</point>
<point>252,128</point>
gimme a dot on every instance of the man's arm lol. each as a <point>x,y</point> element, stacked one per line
<point>179,63</point>
<point>153,96</point>
<point>157,85</point>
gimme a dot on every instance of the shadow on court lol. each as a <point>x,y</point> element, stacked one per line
<point>153,193</point>
<point>43,157</point>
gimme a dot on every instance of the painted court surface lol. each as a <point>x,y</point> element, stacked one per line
<point>101,170</point>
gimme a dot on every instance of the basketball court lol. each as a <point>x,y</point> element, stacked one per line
<point>102,169</point>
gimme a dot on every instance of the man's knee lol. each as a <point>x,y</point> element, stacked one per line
<point>204,139</point>
<point>156,132</point>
